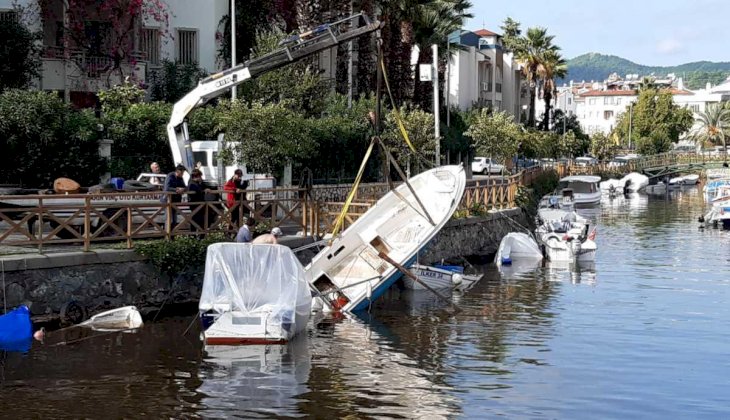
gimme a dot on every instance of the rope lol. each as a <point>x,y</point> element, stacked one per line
<point>351,195</point>
<point>5,297</point>
<point>398,119</point>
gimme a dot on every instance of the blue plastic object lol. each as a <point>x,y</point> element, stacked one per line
<point>506,261</point>
<point>16,330</point>
<point>118,183</point>
<point>453,268</point>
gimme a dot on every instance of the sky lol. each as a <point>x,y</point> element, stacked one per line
<point>650,32</point>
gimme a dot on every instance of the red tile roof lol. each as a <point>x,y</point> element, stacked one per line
<point>629,92</point>
<point>486,32</point>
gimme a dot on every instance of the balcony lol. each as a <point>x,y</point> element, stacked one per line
<point>486,86</point>
<point>80,71</point>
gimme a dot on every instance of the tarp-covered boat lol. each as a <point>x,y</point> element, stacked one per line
<point>253,294</point>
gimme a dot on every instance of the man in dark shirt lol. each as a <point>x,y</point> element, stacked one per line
<point>174,183</point>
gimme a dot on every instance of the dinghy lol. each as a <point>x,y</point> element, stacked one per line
<point>441,277</point>
<point>253,294</point>
<point>517,246</point>
<point>353,270</point>
<point>124,318</point>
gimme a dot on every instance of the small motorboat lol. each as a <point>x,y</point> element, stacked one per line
<point>358,265</point>
<point>441,277</point>
<point>16,330</point>
<point>565,236</point>
<point>584,189</point>
<point>517,246</point>
<point>680,181</point>
<point>719,213</point>
<point>634,182</point>
<point>658,188</point>
<point>710,189</point>
<point>253,294</point>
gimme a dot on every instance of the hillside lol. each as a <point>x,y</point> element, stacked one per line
<point>593,66</point>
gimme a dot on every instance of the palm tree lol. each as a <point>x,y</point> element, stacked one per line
<point>434,22</point>
<point>553,65</point>
<point>530,51</point>
<point>714,125</point>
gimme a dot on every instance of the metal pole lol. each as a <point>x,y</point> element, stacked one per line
<point>233,43</point>
<point>448,82</point>
<point>631,111</point>
<point>436,102</point>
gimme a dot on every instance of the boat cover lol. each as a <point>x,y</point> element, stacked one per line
<point>245,277</point>
<point>16,330</point>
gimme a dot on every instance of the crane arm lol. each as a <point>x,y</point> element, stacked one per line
<point>294,48</point>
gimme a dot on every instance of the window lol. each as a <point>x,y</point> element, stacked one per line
<point>695,108</point>
<point>607,115</point>
<point>150,45</point>
<point>607,101</point>
<point>592,101</point>
<point>570,101</point>
<point>187,46</point>
<point>618,101</point>
<point>201,157</point>
<point>8,16</point>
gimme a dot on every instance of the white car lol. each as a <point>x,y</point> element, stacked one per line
<point>585,161</point>
<point>482,165</point>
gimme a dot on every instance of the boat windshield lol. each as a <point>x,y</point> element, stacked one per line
<point>579,187</point>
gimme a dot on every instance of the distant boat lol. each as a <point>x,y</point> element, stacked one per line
<point>253,294</point>
<point>441,277</point>
<point>691,179</point>
<point>350,273</point>
<point>584,189</point>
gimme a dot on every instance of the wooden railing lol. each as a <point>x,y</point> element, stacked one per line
<point>125,217</point>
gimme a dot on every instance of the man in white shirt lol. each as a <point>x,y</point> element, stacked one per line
<point>244,233</point>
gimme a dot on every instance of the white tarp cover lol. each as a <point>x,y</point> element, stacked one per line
<point>245,277</point>
<point>517,246</point>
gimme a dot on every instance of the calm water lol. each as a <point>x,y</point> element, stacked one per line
<point>645,333</point>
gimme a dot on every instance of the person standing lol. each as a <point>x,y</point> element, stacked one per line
<point>196,196</point>
<point>155,168</point>
<point>236,189</point>
<point>175,184</point>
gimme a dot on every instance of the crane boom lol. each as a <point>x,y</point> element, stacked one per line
<point>294,48</point>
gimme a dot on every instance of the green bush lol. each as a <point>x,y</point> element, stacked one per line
<point>178,255</point>
<point>19,56</point>
<point>43,139</point>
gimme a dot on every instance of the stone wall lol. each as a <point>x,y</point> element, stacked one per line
<point>107,279</point>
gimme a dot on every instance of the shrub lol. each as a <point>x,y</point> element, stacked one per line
<point>178,255</point>
<point>43,139</point>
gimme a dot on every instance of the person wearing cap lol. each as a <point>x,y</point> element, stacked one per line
<point>175,184</point>
<point>235,187</point>
<point>269,238</point>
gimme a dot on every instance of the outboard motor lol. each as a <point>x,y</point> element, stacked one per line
<point>626,187</point>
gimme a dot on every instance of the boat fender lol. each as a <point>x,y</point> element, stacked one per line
<point>457,279</point>
<point>369,291</point>
<point>506,261</point>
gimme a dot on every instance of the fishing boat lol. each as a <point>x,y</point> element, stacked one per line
<point>441,277</point>
<point>357,266</point>
<point>584,189</point>
<point>517,246</point>
<point>253,294</point>
<point>565,236</point>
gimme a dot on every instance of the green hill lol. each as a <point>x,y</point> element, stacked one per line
<point>598,67</point>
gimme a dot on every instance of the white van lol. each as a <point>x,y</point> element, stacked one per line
<point>205,153</point>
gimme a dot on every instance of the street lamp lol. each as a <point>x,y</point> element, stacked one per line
<point>233,44</point>
<point>631,111</point>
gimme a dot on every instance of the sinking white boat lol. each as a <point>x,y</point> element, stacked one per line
<point>634,182</point>
<point>583,188</point>
<point>517,246</point>
<point>253,294</point>
<point>350,273</point>
<point>124,318</point>
<point>691,179</point>
<point>441,277</point>
<point>565,236</point>
<point>658,188</point>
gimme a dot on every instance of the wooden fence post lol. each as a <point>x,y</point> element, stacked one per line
<point>40,225</point>
<point>129,227</point>
<point>168,217</point>
<point>87,224</point>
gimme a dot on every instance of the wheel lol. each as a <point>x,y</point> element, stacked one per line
<point>72,313</point>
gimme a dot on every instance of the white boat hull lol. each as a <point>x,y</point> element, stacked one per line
<point>562,250</point>
<point>350,273</point>
<point>267,326</point>
<point>517,246</point>
<point>437,278</point>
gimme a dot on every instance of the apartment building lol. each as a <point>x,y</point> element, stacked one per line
<point>83,53</point>
<point>482,74</point>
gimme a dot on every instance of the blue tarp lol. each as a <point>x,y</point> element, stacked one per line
<point>16,330</point>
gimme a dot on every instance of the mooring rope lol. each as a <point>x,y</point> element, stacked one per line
<point>5,298</point>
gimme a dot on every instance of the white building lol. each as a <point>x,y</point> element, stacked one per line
<point>78,71</point>
<point>482,75</point>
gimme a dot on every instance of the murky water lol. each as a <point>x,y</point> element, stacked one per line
<point>644,333</point>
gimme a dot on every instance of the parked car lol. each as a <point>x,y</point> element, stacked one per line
<point>585,161</point>
<point>483,165</point>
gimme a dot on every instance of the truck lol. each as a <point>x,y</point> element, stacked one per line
<point>69,209</point>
